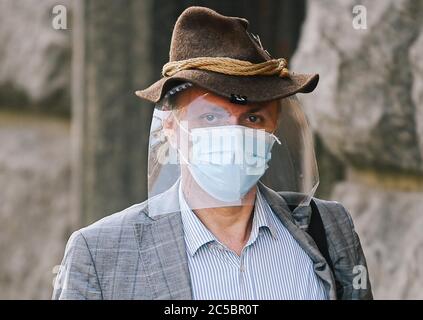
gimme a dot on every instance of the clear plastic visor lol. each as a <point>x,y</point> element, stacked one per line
<point>207,152</point>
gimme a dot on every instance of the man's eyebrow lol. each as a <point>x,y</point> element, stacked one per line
<point>256,109</point>
<point>214,107</point>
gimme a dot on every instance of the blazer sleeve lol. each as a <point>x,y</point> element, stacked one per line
<point>77,277</point>
<point>361,287</point>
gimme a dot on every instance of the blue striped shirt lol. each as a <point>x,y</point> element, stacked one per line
<point>272,265</point>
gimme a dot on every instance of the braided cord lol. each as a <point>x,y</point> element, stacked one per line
<point>229,66</point>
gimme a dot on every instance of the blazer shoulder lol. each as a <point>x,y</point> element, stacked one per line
<point>334,211</point>
<point>345,250</point>
<point>115,224</point>
<point>339,226</point>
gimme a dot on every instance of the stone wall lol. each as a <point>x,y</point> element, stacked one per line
<point>35,215</point>
<point>34,57</point>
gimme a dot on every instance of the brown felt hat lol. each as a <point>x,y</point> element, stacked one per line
<point>202,32</point>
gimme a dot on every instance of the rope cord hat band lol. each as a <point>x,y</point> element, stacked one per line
<point>229,66</point>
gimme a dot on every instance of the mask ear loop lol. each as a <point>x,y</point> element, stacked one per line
<point>273,133</point>
<point>275,137</point>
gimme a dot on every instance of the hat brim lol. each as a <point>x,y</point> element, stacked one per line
<point>255,88</point>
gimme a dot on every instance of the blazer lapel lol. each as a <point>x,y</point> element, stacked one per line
<point>281,209</point>
<point>163,255</point>
<point>162,248</point>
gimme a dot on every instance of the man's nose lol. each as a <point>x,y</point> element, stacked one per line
<point>233,120</point>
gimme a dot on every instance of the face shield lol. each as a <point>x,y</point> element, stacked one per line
<point>212,152</point>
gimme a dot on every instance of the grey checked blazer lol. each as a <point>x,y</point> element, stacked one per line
<point>130,255</point>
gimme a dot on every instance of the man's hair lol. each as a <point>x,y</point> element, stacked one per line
<point>171,98</point>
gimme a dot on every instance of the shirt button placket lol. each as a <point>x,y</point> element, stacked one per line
<point>244,279</point>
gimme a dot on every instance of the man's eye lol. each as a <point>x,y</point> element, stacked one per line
<point>209,117</point>
<point>253,118</point>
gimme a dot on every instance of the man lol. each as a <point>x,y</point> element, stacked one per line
<point>226,132</point>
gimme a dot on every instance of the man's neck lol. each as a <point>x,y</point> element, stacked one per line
<point>230,225</point>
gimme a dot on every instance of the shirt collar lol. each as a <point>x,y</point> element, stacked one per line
<point>197,234</point>
<point>263,217</point>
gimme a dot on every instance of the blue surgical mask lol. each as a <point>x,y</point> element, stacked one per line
<point>227,161</point>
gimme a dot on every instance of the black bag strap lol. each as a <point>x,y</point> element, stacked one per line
<point>317,231</point>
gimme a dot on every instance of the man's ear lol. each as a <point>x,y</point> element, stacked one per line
<point>278,118</point>
<point>170,129</point>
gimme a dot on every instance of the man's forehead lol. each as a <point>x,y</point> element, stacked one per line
<point>213,100</point>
